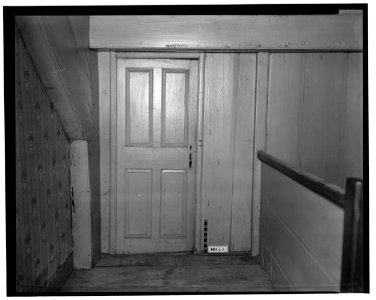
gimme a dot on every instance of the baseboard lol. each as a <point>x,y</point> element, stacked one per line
<point>61,275</point>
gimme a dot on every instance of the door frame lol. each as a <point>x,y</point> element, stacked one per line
<point>114,55</point>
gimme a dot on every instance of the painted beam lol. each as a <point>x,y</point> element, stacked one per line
<point>210,32</point>
<point>81,197</point>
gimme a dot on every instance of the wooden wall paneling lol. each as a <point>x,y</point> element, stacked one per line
<point>219,133</point>
<point>200,118</point>
<point>307,246</point>
<point>326,32</point>
<point>49,69</point>
<point>105,140</point>
<point>279,278</point>
<point>353,120</point>
<point>241,210</point>
<point>323,112</point>
<point>285,96</point>
<point>318,225</point>
<point>260,111</point>
<point>290,253</point>
<point>94,150</point>
<point>81,217</point>
<point>113,152</point>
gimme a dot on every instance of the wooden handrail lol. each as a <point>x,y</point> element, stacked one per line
<point>352,266</point>
<point>329,191</point>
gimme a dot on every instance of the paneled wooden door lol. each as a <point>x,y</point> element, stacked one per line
<point>156,155</point>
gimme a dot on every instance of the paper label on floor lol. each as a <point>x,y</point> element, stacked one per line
<point>218,249</point>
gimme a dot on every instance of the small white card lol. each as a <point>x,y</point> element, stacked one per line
<point>218,249</point>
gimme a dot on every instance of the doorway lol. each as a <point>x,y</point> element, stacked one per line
<point>156,133</point>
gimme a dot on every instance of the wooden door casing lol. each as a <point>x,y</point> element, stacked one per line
<point>156,136</point>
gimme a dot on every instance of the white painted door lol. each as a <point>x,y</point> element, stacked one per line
<point>156,155</point>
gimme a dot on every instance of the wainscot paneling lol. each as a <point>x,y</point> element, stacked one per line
<point>315,104</point>
<point>43,209</point>
<point>301,235</point>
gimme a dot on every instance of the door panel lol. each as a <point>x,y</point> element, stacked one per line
<point>137,203</point>
<point>156,137</point>
<point>139,103</point>
<point>174,108</point>
<point>173,210</point>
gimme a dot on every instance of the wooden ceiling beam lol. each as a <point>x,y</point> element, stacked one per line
<point>239,33</point>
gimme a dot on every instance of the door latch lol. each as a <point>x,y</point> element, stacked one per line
<point>190,156</point>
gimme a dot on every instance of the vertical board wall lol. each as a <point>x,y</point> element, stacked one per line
<point>227,149</point>
<point>43,210</point>
<point>314,122</point>
<point>315,105</point>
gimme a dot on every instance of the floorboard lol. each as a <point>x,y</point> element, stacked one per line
<point>171,274</point>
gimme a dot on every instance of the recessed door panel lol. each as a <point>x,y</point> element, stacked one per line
<point>173,208</point>
<point>138,203</point>
<point>139,107</point>
<point>174,108</point>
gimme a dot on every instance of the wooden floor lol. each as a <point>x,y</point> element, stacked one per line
<point>171,274</point>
